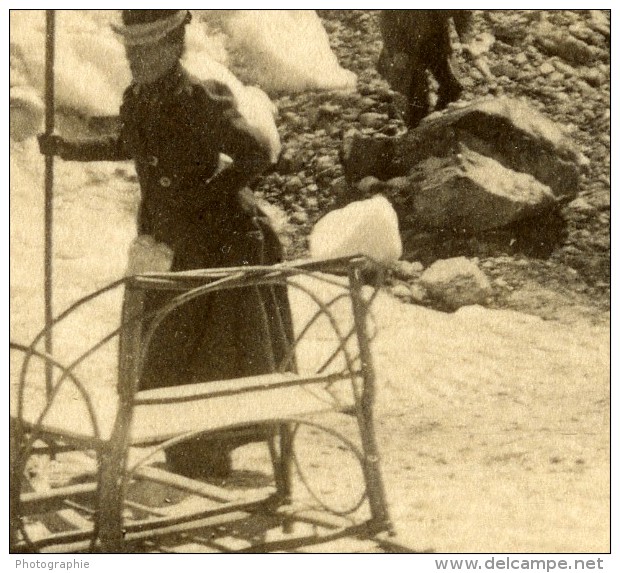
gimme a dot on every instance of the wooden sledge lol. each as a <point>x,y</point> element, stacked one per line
<point>332,379</point>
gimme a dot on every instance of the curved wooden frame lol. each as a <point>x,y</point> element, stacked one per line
<point>109,533</point>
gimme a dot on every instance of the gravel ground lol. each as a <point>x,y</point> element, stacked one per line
<point>575,275</point>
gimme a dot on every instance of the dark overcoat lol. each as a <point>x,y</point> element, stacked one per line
<point>175,130</point>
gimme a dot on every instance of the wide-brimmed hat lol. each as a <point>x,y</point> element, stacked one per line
<point>149,26</point>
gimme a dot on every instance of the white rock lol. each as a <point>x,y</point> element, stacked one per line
<point>456,282</point>
<point>367,183</point>
<point>546,69</point>
<point>521,58</point>
<point>409,269</point>
<point>581,205</point>
<point>401,290</point>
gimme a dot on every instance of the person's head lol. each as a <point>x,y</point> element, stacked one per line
<point>154,41</point>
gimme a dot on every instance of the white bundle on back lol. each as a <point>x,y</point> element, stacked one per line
<point>368,227</point>
<point>253,103</point>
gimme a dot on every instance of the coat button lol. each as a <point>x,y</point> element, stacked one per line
<point>165,182</point>
<point>152,160</point>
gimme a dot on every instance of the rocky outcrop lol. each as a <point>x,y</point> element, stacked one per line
<point>470,192</point>
<point>509,131</point>
<point>481,166</point>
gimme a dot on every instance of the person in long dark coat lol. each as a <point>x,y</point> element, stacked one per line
<point>416,42</point>
<point>174,127</point>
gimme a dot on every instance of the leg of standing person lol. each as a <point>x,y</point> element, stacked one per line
<point>401,63</point>
<point>450,88</point>
<point>418,105</point>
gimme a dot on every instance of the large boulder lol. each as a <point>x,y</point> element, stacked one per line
<point>463,193</point>
<point>470,192</point>
<point>509,131</point>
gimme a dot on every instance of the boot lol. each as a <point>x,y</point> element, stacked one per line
<point>200,459</point>
<point>210,457</point>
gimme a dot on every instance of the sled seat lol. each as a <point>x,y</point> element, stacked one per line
<point>164,413</point>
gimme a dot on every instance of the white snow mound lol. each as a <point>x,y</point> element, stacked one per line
<point>282,51</point>
<point>368,227</point>
<point>90,68</point>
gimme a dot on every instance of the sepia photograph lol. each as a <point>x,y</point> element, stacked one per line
<point>310,281</point>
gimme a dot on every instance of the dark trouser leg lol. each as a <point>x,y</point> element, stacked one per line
<point>450,88</point>
<point>418,102</point>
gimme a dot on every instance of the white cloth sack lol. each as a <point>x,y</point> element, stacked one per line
<point>368,227</point>
<point>252,102</point>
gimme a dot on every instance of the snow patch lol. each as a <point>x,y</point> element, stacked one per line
<point>283,51</point>
<point>368,227</point>
<point>280,51</point>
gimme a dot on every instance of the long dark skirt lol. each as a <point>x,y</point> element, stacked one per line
<point>222,335</point>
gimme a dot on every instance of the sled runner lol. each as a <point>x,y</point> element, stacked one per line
<point>316,410</point>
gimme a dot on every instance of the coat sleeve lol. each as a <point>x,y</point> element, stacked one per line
<point>233,135</point>
<point>110,148</point>
<point>106,148</point>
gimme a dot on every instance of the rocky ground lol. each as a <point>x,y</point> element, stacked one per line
<point>568,81</point>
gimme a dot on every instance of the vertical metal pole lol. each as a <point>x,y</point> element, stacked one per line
<point>50,21</point>
<point>286,470</point>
